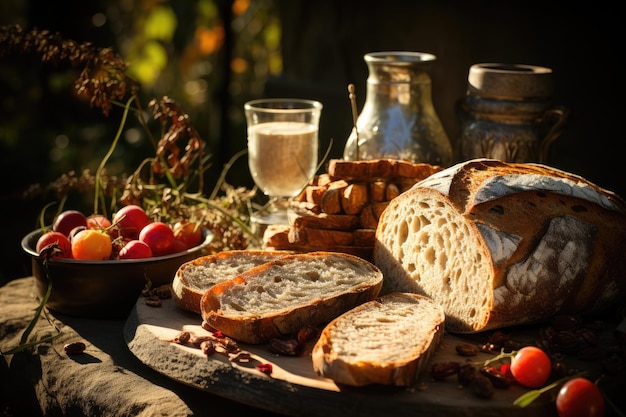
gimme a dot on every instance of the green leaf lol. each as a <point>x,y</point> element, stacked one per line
<point>526,399</point>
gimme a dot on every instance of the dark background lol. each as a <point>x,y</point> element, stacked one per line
<point>578,40</point>
<point>323,43</point>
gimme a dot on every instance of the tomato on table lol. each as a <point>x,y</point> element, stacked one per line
<point>579,397</point>
<point>531,367</point>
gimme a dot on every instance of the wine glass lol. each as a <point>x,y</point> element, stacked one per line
<point>282,151</point>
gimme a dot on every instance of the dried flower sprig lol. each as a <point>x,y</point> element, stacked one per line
<point>177,127</point>
<point>160,184</point>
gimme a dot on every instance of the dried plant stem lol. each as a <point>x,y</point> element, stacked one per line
<point>211,203</point>
<point>41,309</point>
<point>222,178</point>
<point>352,97</point>
<point>98,194</point>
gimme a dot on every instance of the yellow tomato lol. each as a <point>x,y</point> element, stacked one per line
<point>91,244</point>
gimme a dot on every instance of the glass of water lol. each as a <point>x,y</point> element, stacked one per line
<point>282,151</point>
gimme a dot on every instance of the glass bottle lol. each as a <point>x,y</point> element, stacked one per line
<point>398,119</point>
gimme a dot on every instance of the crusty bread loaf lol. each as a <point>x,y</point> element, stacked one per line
<point>285,295</point>
<point>388,341</point>
<point>193,278</point>
<point>500,244</point>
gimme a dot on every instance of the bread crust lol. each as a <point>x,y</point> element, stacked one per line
<point>252,324</point>
<point>539,241</point>
<point>393,354</point>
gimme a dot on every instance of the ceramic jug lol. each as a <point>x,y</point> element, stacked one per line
<point>398,119</point>
<point>507,113</point>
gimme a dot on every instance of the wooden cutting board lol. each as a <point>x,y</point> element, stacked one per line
<point>294,389</point>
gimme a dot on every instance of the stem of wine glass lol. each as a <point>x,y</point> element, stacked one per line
<point>275,213</point>
<point>280,204</point>
<point>278,210</point>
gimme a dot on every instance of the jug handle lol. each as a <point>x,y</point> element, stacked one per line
<point>557,117</point>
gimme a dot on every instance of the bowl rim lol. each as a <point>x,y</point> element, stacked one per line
<point>30,237</point>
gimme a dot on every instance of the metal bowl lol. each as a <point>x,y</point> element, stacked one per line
<point>103,289</point>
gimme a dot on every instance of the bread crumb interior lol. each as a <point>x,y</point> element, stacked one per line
<point>427,247</point>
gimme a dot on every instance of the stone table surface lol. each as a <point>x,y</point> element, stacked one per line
<point>105,380</point>
<point>118,375</point>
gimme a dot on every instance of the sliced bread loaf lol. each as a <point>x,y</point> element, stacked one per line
<point>285,295</point>
<point>193,278</point>
<point>388,341</point>
<point>501,244</point>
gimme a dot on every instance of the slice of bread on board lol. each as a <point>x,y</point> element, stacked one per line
<point>501,244</point>
<point>282,296</point>
<point>193,278</point>
<point>387,341</point>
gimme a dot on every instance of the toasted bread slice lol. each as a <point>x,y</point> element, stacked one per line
<point>387,341</point>
<point>193,278</point>
<point>283,296</point>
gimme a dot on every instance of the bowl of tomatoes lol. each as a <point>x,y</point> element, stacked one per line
<point>98,268</point>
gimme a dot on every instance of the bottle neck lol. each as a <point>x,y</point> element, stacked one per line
<point>399,85</point>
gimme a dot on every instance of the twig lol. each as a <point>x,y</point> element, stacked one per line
<point>222,177</point>
<point>109,153</point>
<point>46,254</point>
<point>352,97</point>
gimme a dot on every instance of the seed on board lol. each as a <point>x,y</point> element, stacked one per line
<point>153,301</point>
<point>467,349</point>
<point>74,348</point>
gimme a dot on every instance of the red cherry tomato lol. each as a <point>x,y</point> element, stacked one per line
<point>130,220</point>
<point>531,367</point>
<point>75,231</point>
<point>179,246</point>
<point>160,237</point>
<point>579,397</point>
<point>135,249</point>
<point>98,221</point>
<point>68,220</point>
<point>64,248</point>
<point>188,233</point>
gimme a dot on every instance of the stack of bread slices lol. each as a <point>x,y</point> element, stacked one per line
<point>339,210</point>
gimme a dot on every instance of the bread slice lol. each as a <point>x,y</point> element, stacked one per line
<point>277,237</point>
<point>388,341</point>
<point>501,244</point>
<point>379,168</point>
<point>283,296</point>
<point>193,278</point>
